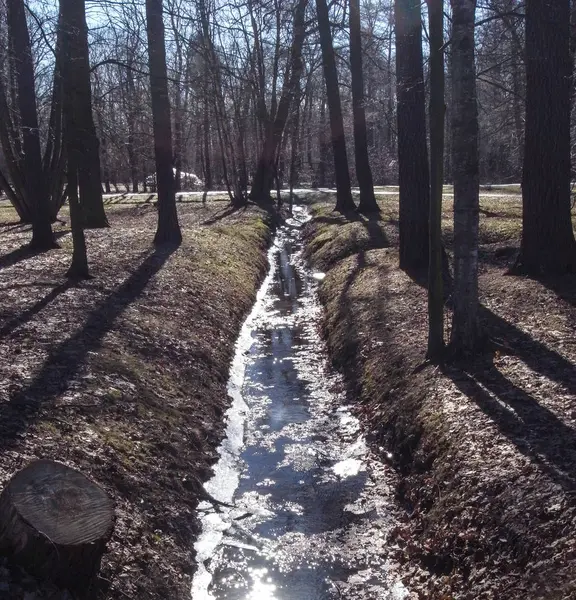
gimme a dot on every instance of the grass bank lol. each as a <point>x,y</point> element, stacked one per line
<point>486,450</point>
<point>124,376</point>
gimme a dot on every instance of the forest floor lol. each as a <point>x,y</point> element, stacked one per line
<point>486,450</point>
<point>124,376</point>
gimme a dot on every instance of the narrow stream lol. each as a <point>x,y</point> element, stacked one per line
<point>311,509</point>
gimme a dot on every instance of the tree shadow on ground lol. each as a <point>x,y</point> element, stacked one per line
<point>13,225</point>
<point>536,355</point>
<point>30,312</point>
<point>564,286</point>
<point>345,315</point>
<point>25,252</point>
<point>534,430</point>
<point>348,241</point>
<point>497,255</point>
<point>66,360</point>
<point>226,212</point>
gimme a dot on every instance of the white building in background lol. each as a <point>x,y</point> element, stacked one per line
<point>188,181</point>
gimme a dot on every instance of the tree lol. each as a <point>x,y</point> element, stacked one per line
<point>74,136</point>
<point>465,328</point>
<point>436,116</point>
<point>413,176</point>
<point>276,118</point>
<point>547,236</point>
<point>89,175</point>
<point>168,231</point>
<point>35,188</point>
<point>344,200</point>
<point>363,171</point>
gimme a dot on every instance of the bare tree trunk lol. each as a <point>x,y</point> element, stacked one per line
<point>206,140</point>
<point>547,235</point>
<point>54,160</point>
<point>178,116</point>
<point>344,200</point>
<point>73,137</point>
<point>437,110</point>
<point>89,176</point>
<point>15,190</point>
<point>323,146</point>
<point>363,172</point>
<point>168,231</point>
<point>105,167</point>
<point>413,166</point>
<point>465,329</point>
<point>295,141</point>
<point>35,187</point>
<point>130,99</point>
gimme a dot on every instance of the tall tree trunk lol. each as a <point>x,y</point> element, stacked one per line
<point>323,149</point>
<point>547,235</point>
<point>15,189</point>
<point>413,167</point>
<point>436,116</point>
<point>79,265</point>
<point>35,188</point>
<point>293,152</point>
<point>363,172</point>
<point>89,177</point>
<point>178,117</point>
<point>518,123</point>
<point>54,160</point>
<point>344,200</point>
<point>466,179</point>
<point>105,164</point>
<point>168,231</point>
<point>206,140</point>
<point>74,136</point>
<point>130,99</point>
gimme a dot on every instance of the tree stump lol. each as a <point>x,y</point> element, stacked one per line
<point>55,523</point>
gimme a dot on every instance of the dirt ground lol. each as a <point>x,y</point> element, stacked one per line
<point>486,450</point>
<point>124,376</point>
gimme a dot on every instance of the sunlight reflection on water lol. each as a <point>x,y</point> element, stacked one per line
<point>293,460</point>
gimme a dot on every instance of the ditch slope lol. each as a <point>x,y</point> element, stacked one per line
<point>124,376</point>
<point>486,450</point>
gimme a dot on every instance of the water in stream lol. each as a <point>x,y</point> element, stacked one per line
<point>309,520</point>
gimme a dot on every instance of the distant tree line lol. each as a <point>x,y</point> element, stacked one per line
<point>258,94</point>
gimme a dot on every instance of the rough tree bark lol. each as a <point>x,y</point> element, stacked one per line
<point>130,99</point>
<point>436,116</point>
<point>35,187</point>
<point>168,231</point>
<point>465,328</point>
<point>414,178</point>
<point>344,200</point>
<point>367,202</point>
<point>54,159</point>
<point>74,138</point>
<point>73,15</point>
<point>206,142</point>
<point>323,146</point>
<point>547,236</point>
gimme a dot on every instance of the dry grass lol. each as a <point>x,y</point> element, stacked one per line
<point>124,376</point>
